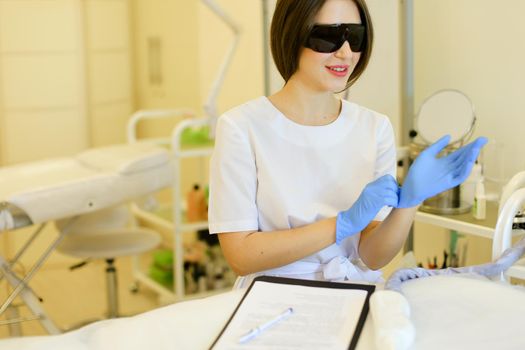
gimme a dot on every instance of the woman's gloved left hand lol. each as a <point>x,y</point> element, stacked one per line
<point>430,175</point>
<point>377,194</point>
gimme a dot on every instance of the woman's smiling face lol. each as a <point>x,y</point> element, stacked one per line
<point>329,72</point>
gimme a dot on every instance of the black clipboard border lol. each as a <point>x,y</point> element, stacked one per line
<point>312,283</point>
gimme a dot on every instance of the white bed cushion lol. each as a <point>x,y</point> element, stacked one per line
<point>96,179</point>
<point>124,159</point>
<point>455,312</point>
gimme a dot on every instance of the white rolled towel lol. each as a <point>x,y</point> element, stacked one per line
<point>393,329</point>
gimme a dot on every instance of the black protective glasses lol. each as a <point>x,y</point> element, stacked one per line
<point>328,38</point>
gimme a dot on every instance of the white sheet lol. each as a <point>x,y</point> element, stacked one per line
<point>455,312</point>
<point>186,325</point>
<point>96,179</point>
<point>449,312</point>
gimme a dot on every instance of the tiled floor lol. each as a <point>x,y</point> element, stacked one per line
<point>72,298</point>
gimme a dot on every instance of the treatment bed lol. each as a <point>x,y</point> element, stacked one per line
<point>67,189</point>
<point>424,309</point>
<point>458,312</point>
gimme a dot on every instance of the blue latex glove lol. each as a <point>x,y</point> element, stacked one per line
<point>377,194</point>
<point>503,263</point>
<point>430,175</point>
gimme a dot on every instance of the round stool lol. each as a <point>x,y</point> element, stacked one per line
<point>107,234</point>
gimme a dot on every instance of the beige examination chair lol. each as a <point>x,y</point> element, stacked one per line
<point>86,196</point>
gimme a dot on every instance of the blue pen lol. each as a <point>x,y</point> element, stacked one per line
<point>258,330</point>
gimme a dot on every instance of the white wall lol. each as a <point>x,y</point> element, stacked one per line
<point>244,78</point>
<point>476,46</point>
<point>57,58</point>
<point>167,72</point>
<point>193,42</point>
<point>109,69</point>
<point>42,90</point>
<point>380,86</point>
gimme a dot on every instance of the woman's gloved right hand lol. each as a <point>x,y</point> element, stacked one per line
<point>430,175</point>
<point>377,194</point>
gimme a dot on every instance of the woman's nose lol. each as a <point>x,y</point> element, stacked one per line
<point>344,50</point>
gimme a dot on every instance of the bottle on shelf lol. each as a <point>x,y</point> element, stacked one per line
<point>479,207</point>
<point>196,204</point>
<point>468,188</point>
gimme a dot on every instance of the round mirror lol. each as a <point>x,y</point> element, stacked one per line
<point>445,112</point>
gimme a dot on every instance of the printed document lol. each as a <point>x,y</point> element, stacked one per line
<point>322,318</point>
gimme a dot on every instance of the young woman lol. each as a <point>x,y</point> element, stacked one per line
<point>302,183</point>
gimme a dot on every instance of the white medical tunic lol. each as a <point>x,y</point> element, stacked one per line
<point>269,173</point>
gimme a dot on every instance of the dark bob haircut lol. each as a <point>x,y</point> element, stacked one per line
<point>292,22</point>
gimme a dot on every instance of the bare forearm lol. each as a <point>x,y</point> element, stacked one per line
<point>379,245</point>
<point>258,251</point>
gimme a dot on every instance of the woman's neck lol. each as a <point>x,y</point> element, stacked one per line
<point>306,107</point>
